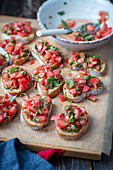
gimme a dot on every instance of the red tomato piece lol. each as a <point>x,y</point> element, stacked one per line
<point>70,23</point>
<point>50,73</point>
<point>73,91</point>
<point>22,83</point>
<point>47,56</point>
<point>12,111</point>
<point>42,118</point>
<point>22,34</point>
<point>90,27</point>
<point>59,76</point>
<point>28,28</point>
<point>9,48</point>
<point>66,60</point>
<point>4,76</point>
<point>56,71</point>
<point>61,124</point>
<point>62,98</point>
<point>31,62</point>
<point>82,72</point>
<point>44,111</point>
<point>92,98</point>
<point>85,89</point>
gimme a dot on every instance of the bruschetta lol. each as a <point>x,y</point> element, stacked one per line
<point>17,52</point>
<point>45,52</point>
<point>82,85</point>
<point>71,124</point>
<point>3,62</point>
<point>49,82</point>
<point>91,63</point>
<point>8,108</point>
<point>21,30</point>
<point>15,79</point>
<point>36,111</point>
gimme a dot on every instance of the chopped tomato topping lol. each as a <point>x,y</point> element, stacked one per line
<point>31,62</point>
<point>61,97</point>
<point>92,98</point>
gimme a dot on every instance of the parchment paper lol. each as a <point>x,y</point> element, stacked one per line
<point>98,136</point>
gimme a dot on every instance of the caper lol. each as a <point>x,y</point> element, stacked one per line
<point>24,54</point>
<point>13,40</point>
<point>26,50</point>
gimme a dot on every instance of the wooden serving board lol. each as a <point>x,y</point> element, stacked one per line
<point>89,146</point>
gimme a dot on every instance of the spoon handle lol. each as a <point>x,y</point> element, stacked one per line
<point>42,33</point>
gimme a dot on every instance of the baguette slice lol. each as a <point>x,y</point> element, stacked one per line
<point>24,39</point>
<point>51,92</point>
<point>33,124</point>
<point>15,91</point>
<point>8,119</point>
<point>93,70</point>
<point>5,63</point>
<point>39,55</point>
<point>63,123</point>
<point>83,95</point>
<point>12,58</point>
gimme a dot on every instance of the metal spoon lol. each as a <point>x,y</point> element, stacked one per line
<point>81,29</point>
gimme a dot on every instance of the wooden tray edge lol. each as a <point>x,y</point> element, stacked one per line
<point>71,152</point>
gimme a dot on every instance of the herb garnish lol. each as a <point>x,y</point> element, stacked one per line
<point>61,13</point>
<point>64,24</point>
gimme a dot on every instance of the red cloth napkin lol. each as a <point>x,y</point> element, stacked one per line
<point>46,154</point>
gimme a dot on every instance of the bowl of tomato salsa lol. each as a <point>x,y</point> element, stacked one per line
<point>73,13</point>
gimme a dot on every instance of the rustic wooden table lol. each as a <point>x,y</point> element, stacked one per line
<point>28,8</point>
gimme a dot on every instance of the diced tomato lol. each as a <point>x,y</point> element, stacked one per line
<point>82,81</point>
<point>59,76</point>
<point>6,96</point>
<point>56,71</point>
<point>31,62</point>
<point>1,106</point>
<point>23,83</point>
<point>22,34</point>
<point>69,74</point>
<point>58,59</point>
<point>19,75</point>
<point>62,98</point>
<point>4,75</point>
<point>6,102</point>
<point>82,72</point>
<point>52,60</point>
<point>28,28</point>
<point>92,98</point>
<point>12,111</point>
<point>95,81</point>
<point>47,56</point>
<point>1,118</point>
<point>77,112</point>
<point>83,122</point>
<point>16,50</point>
<point>24,105</point>
<point>70,23</point>
<point>32,109</point>
<point>44,111</point>
<point>90,27</point>
<point>50,73</point>
<point>86,88</point>
<point>66,60</point>
<point>41,118</point>
<point>44,88</point>
<point>9,48</point>
<point>77,123</point>
<point>47,99</point>
<point>61,124</point>
<point>76,80</point>
<point>73,91</point>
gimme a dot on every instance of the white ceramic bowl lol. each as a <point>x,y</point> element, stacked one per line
<point>78,9</point>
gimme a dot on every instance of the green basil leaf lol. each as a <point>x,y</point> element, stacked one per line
<point>11,98</point>
<point>64,24</point>
<point>74,128</point>
<point>71,83</point>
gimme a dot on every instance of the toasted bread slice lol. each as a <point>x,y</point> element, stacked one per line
<point>46,73</point>
<point>90,63</point>
<point>12,60</point>
<point>83,95</point>
<point>91,71</point>
<point>24,40</point>
<point>33,124</point>
<point>40,57</point>
<point>68,127</point>
<point>9,118</point>
<point>13,91</point>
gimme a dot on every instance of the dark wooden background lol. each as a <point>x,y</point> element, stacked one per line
<point>28,8</point>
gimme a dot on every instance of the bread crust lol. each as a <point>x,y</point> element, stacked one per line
<point>9,119</point>
<point>37,56</point>
<point>72,136</point>
<point>39,125</point>
<point>90,70</point>
<point>51,94</point>
<point>24,40</point>
<point>13,61</point>
<point>13,92</point>
<point>83,95</point>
